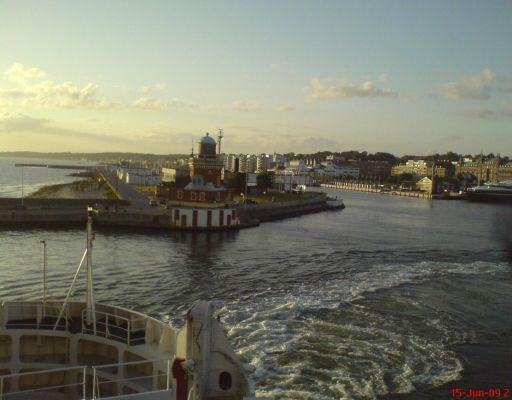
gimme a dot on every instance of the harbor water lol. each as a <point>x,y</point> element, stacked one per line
<point>349,304</point>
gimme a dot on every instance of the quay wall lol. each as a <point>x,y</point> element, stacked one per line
<point>275,211</point>
<point>60,204</point>
<point>358,187</point>
<point>43,212</point>
<point>47,212</point>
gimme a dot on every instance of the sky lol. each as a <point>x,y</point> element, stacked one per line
<point>406,77</point>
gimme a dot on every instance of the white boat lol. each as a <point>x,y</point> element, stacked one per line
<point>496,192</point>
<point>67,350</point>
<point>334,203</point>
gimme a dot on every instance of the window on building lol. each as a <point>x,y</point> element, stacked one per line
<point>201,196</point>
<point>179,194</point>
<point>192,195</point>
<point>218,196</point>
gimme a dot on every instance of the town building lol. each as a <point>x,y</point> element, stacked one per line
<point>132,175</point>
<point>369,169</point>
<point>417,168</point>
<point>204,202</point>
<point>329,168</point>
<point>425,185</point>
<point>486,170</point>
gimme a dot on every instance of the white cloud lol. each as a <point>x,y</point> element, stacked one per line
<point>285,108</point>
<point>11,123</point>
<point>503,112</point>
<point>238,105</point>
<point>329,88</point>
<point>150,103</point>
<point>384,77</point>
<point>18,73</point>
<point>50,94</point>
<point>241,105</point>
<point>476,87</point>
<point>156,87</point>
<point>479,113</point>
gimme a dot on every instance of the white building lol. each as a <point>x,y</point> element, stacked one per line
<point>139,176</point>
<point>333,170</point>
<point>288,180</point>
<point>204,218</point>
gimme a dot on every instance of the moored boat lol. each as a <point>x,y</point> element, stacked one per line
<point>492,192</point>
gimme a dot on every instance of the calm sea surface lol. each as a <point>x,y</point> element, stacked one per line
<point>349,304</point>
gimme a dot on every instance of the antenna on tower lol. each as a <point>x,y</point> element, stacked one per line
<point>220,138</point>
<point>192,146</point>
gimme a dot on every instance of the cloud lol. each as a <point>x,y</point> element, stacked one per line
<point>156,87</point>
<point>476,87</point>
<point>479,113</point>
<point>20,123</point>
<point>384,77</point>
<point>150,103</point>
<point>50,94</point>
<point>238,105</point>
<point>285,108</point>
<point>18,73</point>
<point>504,112</point>
<point>329,88</point>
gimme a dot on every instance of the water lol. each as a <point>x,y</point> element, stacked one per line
<point>349,304</point>
<point>33,178</point>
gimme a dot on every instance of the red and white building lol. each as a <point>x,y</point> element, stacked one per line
<point>203,202</point>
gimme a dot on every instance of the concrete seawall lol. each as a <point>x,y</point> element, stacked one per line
<point>276,211</point>
<point>114,213</point>
<point>48,212</point>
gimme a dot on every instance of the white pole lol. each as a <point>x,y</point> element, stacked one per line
<point>22,186</point>
<point>89,301</point>
<point>70,290</point>
<point>45,288</point>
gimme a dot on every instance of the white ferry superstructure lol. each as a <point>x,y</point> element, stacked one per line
<point>67,350</point>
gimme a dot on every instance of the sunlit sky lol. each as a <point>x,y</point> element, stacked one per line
<point>152,76</point>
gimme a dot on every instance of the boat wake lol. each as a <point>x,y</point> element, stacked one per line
<point>352,338</point>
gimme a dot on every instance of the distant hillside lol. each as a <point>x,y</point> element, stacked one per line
<point>96,157</point>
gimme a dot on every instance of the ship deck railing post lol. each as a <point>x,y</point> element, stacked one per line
<point>168,382</point>
<point>94,383</point>
<point>84,381</point>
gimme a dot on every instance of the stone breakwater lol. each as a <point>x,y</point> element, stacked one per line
<point>117,213</point>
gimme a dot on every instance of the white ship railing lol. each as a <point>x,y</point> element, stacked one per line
<point>93,382</point>
<point>112,326</point>
<point>110,322</point>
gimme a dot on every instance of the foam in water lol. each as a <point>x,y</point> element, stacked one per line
<point>322,341</point>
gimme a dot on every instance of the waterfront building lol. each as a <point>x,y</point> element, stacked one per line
<point>417,168</point>
<point>329,168</point>
<point>286,180</point>
<point>138,175</point>
<point>203,202</point>
<point>370,169</point>
<point>425,185</point>
<point>486,170</point>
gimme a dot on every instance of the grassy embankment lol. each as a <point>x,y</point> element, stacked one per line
<point>84,188</point>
